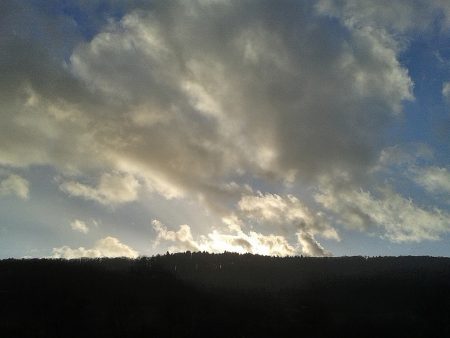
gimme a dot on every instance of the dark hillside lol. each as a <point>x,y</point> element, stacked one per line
<point>226,295</point>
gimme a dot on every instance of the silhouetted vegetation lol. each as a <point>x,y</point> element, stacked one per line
<point>225,295</point>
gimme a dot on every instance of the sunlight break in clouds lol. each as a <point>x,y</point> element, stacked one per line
<point>234,240</point>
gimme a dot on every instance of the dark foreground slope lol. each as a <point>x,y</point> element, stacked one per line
<point>227,295</point>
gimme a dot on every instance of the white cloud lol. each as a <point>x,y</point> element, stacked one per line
<point>232,241</point>
<point>183,237</point>
<point>273,208</point>
<point>288,215</point>
<point>398,16</point>
<point>403,155</point>
<point>79,226</point>
<point>15,185</point>
<point>412,162</point>
<point>400,219</point>
<point>112,189</point>
<point>284,211</point>
<point>310,246</point>
<point>446,90</point>
<point>106,247</point>
<point>433,179</point>
<point>236,240</point>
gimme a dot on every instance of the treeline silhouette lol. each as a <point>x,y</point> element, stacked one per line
<point>225,295</point>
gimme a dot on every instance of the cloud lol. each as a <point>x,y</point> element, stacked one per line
<point>400,155</point>
<point>399,16</point>
<point>190,96</point>
<point>182,237</point>
<point>400,219</point>
<point>15,185</point>
<point>186,111</point>
<point>446,90</point>
<point>285,214</point>
<point>232,241</point>
<point>111,189</point>
<point>412,162</point>
<point>310,246</point>
<point>433,179</point>
<point>79,226</point>
<point>105,247</point>
<point>282,211</point>
<point>41,102</point>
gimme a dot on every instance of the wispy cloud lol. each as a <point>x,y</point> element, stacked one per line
<point>112,189</point>
<point>79,226</point>
<point>105,247</point>
<point>15,185</point>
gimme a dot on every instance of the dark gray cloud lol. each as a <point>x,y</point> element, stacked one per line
<point>279,92</point>
<point>261,86</point>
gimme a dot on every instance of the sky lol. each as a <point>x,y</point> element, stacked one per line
<point>315,128</point>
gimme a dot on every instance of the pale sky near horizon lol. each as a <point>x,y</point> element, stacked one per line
<point>273,127</point>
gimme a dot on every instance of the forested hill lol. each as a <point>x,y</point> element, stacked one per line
<point>226,295</point>
<point>230,270</point>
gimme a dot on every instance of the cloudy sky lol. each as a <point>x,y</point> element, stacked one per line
<point>274,127</point>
